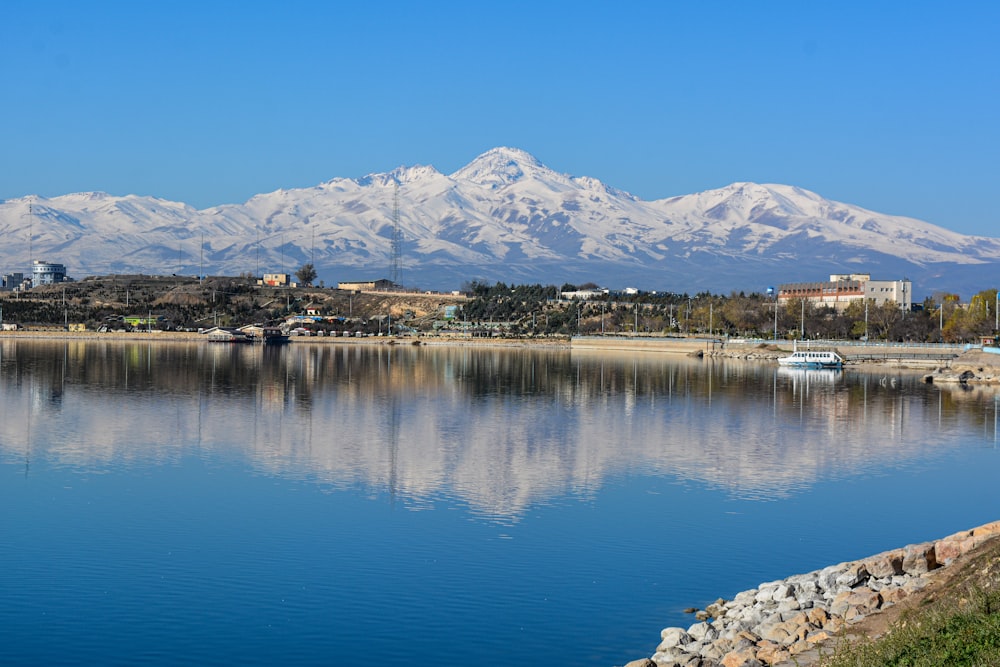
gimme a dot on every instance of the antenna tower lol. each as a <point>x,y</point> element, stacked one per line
<point>31,238</point>
<point>396,268</point>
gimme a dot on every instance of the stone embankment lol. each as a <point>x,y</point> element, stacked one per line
<point>784,622</point>
<point>972,367</point>
<point>756,352</point>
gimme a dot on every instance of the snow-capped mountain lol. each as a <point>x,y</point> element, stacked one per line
<point>504,216</point>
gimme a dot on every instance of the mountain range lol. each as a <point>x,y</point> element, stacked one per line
<point>504,216</point>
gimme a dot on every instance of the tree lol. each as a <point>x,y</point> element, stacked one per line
<point>307,274</point>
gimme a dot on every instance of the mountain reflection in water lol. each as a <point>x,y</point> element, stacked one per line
<point>499,428</point>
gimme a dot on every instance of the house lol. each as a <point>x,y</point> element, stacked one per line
<point>277,280</point>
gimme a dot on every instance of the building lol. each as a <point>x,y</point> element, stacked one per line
<point>843,289</point>
<point>896,291</point>
<point>47,273</point>
<point>586,294</point>
<point>380,285</point>
<point>12,281</point>
<point>277,280</point>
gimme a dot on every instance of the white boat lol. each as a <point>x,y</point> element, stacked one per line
<point>812,359</point>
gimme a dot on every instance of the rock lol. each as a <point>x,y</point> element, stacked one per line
<point>862,600</point>
<point>717,608</point>
<point>886,565</point>
<point>702,632</point>
<point>643,662</point>
<point>745,658</point>
<point>919,558</point>
<point>827,577</point>
<point>673,637</point>
<point>671,656</point>
<point>987,529</point>
<point>818,617</point>
<point>853,576</point>
<point>716,650</point>
<point>771,654</point>
<point>818,636</point>
<point>799,647</point>
<point>785,621</point>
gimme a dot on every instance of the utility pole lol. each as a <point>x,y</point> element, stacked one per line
<point>775,318</point>
<point>866,321</point>
<point>396,244</point>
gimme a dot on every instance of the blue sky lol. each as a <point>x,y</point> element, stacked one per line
<point>894,107</point>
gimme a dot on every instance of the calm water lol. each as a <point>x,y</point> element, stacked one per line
<point>187,503</point>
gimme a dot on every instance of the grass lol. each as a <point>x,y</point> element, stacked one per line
<point>957,626</point>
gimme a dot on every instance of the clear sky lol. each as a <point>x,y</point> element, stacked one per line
<point>890,106</point>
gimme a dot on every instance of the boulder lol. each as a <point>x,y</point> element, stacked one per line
<point>642,662</point>
<point>673,637</point>
<point>862,601</point>
<point>745,658</point>
<point>772,654</point>
<point>855,575</point>
<point>919,558</point>
<point>987,529</point>
<point>885,565</point>
<point>671,656</point>
<point>702,632</point>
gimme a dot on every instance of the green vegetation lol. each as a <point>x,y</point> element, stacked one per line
<point>957,625</point>
<point>955,635</point>
<point>306,274</point>
<point>489,308</point>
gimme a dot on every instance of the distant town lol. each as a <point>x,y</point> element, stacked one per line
<point>844,307</point>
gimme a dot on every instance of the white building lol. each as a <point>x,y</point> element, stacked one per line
<point>47,273</point>
<point>844,288</point>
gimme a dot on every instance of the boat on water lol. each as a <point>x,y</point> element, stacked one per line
<point>812,359</point>
<point>273,336</point>
<point>222,335</point>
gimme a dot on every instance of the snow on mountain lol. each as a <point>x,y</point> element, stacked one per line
<point>504,216</point>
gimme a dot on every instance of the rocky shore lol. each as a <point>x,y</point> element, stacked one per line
<point>788,622</point>
<point>972,367</point>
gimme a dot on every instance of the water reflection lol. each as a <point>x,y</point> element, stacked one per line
<point>499,428</point>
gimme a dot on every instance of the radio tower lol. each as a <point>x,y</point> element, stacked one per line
<point>396,268</point>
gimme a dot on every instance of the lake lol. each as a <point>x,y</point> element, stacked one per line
<point>345,504</point>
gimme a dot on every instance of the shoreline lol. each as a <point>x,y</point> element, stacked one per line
<point>797,620</point>
<point>972,367</point>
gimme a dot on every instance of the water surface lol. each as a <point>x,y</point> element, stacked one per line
<point>339,504</point>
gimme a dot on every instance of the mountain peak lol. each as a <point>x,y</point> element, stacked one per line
<point>501,166</point>
<point>401,175</point>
